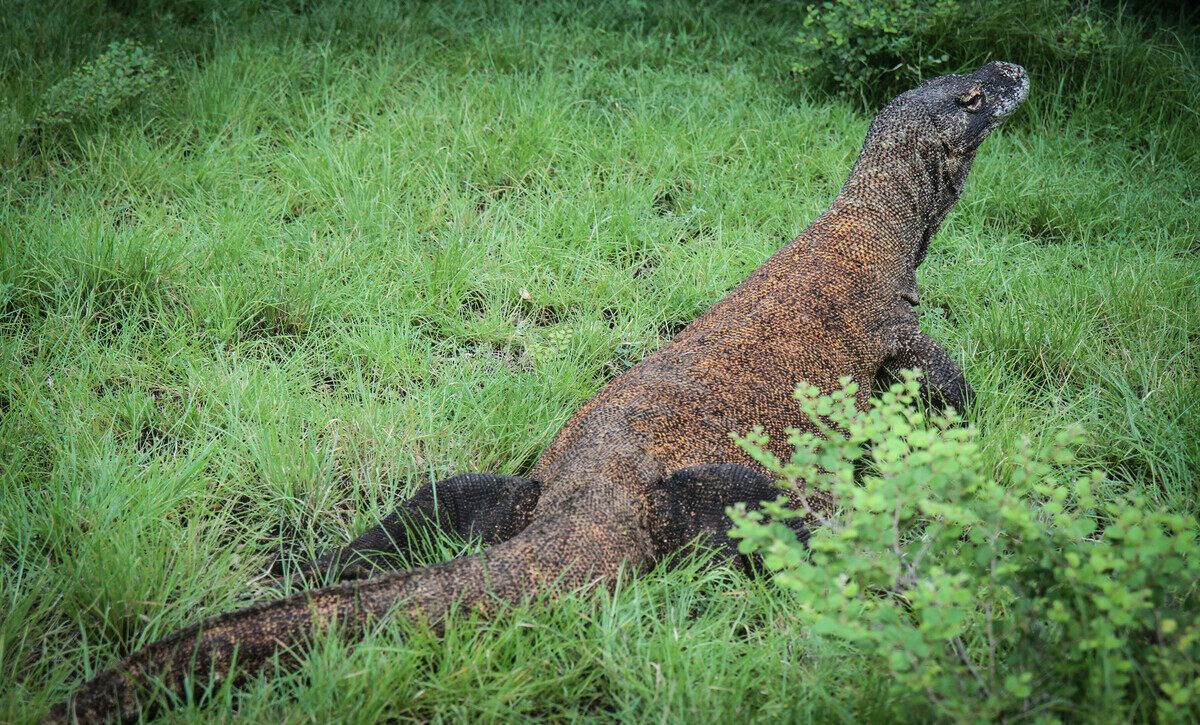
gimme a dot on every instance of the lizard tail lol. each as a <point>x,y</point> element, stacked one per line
<point>562,553</point>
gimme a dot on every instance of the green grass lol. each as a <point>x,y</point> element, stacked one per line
<point>350,248</point>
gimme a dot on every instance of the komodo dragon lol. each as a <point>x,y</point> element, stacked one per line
<point>648,463</point>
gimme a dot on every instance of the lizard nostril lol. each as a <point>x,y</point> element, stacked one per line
<point>1012,70</point>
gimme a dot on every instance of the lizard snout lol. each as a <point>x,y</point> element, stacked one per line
<point>1011,86</point>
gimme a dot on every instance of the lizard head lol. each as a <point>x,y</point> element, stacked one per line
<point>925,140</point>
<point>943,121</point>
<point>963,109</point>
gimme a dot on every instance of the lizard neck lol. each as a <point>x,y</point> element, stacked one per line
<point>901,188</point>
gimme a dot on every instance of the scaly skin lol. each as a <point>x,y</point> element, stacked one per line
<point>626,480</point>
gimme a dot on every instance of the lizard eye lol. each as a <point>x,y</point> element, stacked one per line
<point>972,101</point>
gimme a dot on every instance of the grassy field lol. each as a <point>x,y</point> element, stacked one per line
<point>346,249</point>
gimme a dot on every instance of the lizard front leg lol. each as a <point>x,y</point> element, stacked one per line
<point>942,382</point>
<point>490,506</point>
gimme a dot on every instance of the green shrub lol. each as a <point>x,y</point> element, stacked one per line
<point>995,596</point>
<point>876,49</point>
<point>124,73</point>
<point>856,44</point>
<point>1080,56</point>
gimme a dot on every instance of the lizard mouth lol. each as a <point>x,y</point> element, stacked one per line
<point>912,298</point>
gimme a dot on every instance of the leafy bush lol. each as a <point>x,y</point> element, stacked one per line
<point>1018,596</point>
<point>121,75</point>
<point>1079,54</point>
<point>857,43</point>
<point>876,49</point>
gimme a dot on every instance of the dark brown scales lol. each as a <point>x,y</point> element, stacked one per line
<point>629,478</point>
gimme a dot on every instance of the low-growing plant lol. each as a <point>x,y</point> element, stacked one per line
<point>875,49</point>
<point>996,594</point>
<point>870,51</point>
<point>120,76</point>
<point>857,44</point>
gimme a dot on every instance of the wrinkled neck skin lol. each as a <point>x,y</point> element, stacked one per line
<point>902,186</point>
